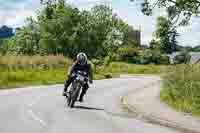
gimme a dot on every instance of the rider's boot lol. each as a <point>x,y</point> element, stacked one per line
<point>66,85</point>
<point>81,97</point>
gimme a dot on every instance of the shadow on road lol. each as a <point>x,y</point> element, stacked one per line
<point>88,108</point>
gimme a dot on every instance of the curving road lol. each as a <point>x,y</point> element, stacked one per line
<point>42,109</point>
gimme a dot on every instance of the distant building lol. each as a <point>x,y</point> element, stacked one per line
<point>195,57</point>
<point>6,32</point>
<point>135,35</point>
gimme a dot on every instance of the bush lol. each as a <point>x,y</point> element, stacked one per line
<point>164,59</point>
<point>115,57</point>
<point>95,63</point>
<point>108,76</point>
<point>107,60</point>
<point>127,54</point>
<point>154,56</point>
<point>146,57</point>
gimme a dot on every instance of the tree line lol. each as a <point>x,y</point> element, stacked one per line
<point>63,29</point>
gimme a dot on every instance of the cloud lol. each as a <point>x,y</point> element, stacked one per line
<point>10,4</point>
<point>88,4</point>
<point>19,19</point>
<point>190,35</point>
<point>88,1</point>
<point>14,12</point>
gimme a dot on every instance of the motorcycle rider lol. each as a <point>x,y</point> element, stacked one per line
<point>81,64</point>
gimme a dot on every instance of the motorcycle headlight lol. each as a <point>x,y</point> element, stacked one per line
<point>80,78</point>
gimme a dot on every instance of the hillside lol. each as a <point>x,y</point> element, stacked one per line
<point>6,32</point>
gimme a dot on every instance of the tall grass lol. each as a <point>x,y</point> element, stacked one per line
<point>26,62</point>
<point>20,78</point>
<point>18,71</point>
<point>181,88</point>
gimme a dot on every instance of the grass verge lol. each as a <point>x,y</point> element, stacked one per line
<point>22,78</point>
<point>181,88</point>
<point>126,68</point>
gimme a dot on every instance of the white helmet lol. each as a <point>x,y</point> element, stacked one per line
<point>82,58</point>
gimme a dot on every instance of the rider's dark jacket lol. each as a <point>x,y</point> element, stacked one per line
<point>77,67</point>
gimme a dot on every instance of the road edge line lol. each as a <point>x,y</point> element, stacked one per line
<point>153,118</point>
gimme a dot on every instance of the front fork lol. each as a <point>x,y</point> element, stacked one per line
<point>73,89</point>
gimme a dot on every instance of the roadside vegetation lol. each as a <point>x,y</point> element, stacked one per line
<point>181,83</point>
<point>181,88</point>
<point>19,71</point>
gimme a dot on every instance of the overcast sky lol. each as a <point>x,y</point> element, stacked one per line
<point>13,13</point>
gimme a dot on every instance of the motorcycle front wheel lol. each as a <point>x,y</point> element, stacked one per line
<point>73,96</point>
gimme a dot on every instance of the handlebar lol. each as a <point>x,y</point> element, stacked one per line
<point>82,73</point>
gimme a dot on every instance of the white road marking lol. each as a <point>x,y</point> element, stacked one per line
<point>35,101</point>
<point>33,115</point>
<point>25,89</point>
<point>36,118</point>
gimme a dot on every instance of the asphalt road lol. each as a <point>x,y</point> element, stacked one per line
<point>42,110</point>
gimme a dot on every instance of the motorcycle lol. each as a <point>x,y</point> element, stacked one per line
<point>79,81</point>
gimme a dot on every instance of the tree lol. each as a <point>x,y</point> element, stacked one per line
<point>128,54</point>
<point>1,42</point>
<point>58,34</point>
<point>166,35</point>
<point>3,46</point>
<point>154,44</point>
<point>177,9</point>
<point>114,40</point>
<point>63,29</point>
<point>102,26</point>
<point>154,56</point>
<point>173,40</point>
<point>51,5</point>
<point>26,40</point>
